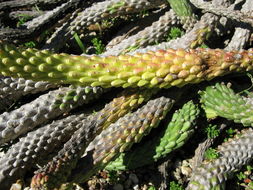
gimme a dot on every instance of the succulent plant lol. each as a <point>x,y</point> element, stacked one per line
<point>160,69</point>
<point>65,116</point>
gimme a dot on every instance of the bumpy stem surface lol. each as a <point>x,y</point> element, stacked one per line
<point>46,107</point>
<point>233,155</point>
<point>96,13</point>
<point>21,86</point>
<point>162,69</point>
<point>58,170</point>
<point>192,39</point>
<point>149,35</point>
<point>241,37</point>
<point>12,89</point>
<point>184,10</point>
<point>176,134</point>
<point>120,136</point>
<point>223,11</point>
<point>220,100</point>
<point>35,147</point>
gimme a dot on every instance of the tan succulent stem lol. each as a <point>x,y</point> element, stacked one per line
<point>120,136</point>
<point>57,170</point>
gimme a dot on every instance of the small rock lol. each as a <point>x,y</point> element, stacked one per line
<point>145,187</point>
<point>247,172</point>
<point>136,187</point>
<point>118,187</point>
<point>77,187</point>
<point>134,178</point>
<point>185,163</point>
<point>128,184</point>
<point>186,170</point>
<point>16,186</point>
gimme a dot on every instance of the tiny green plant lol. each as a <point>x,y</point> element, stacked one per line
<point>212,131</point>
<point>152,188</point>
<point>131,48</point>
<point>94,111</point>
<point>144,13</point>
<point>79,42</point>
<point>98,45</point>
<point>241,176</point>
<point>174,33</point>
<point>23,18</point>
<point>115,7</point>
<point>211,154</point>
<point>175,186</point>
<point>134,47</point>
<point>30,44</point>
<point>203,46</point>
<point>247,91</point>
<point>44,35</point>
<point>37,8</point>
<point>249,168</point>
<point>108,23</point>
<point>245,178</point>
<point>250,186</point>
<point>230,133</point>
<point>113,176</point>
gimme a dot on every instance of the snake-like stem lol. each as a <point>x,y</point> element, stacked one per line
<point>57,171</point>
<point>46,107</point>
<point>120,136</point>
<point>149,35</point>
<point>161,69</point>
<point>96,13</point>
<point>184,10</point>
<point>223,11</point>
<point>233,155</point>
<point>176,134</point>
<point>35,147</point>
<point>192,39</point>
<point>220,100</point>
<point>21,86</point>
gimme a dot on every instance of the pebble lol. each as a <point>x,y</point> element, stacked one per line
<point>247,172</point>
<point>118,187</point>
<point>145,187</point>
<point>16,186</point>
<point>186,170</point>
<point>136,187</point>
<point>134,178</point>
<point>127,183</point>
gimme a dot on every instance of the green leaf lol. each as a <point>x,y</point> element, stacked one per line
<point>79,42</point>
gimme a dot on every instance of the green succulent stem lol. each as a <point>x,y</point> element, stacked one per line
<point>182,8</point>
<point>159,69</point>
<point>221,100</point>
<point>176,134</point>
